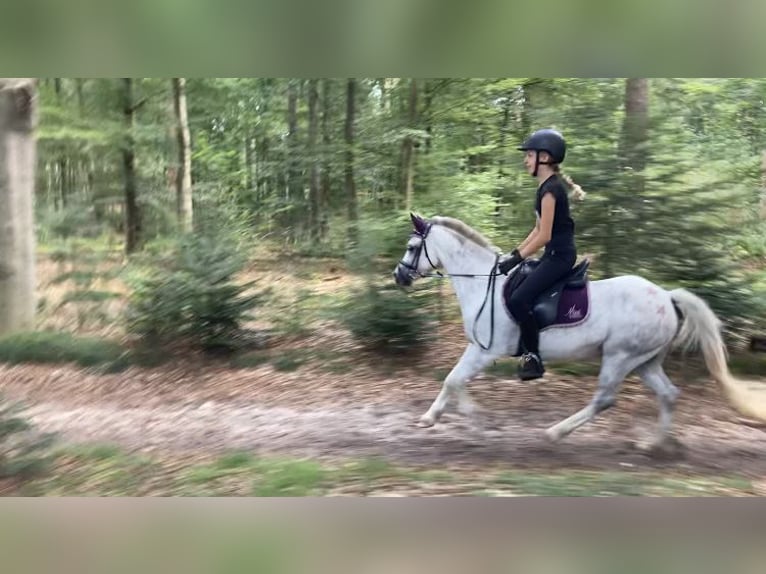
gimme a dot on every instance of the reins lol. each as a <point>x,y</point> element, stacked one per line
<point>490,284</point>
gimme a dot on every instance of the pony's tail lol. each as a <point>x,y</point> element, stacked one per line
<point>701,328</point>
<point>577,192</point>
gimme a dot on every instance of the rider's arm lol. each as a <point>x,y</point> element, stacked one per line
<point>541,235</point>
<point>530,237</point>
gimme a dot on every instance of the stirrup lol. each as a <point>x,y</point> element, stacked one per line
<point>530,367</point>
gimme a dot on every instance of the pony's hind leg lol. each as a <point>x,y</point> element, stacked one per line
<point>654,377</point>
<point>614,369</point>
<point>473,361</point>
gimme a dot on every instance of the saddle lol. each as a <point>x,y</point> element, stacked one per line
<point>566,303</point>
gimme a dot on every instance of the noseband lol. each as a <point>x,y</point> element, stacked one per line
<point>422,248</point>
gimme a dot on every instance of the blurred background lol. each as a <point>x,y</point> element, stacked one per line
<point>675,169</point>
<point>254,222</point>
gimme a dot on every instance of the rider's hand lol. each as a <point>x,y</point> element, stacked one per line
<point>508,262</point>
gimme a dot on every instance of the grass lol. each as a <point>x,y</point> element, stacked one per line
<point>289,478</point>
<point>288,360</point>
<point>748,364</point>
<point>605,484</point>
<point>106,470</point>
<point>58,347</point>
<point>97,470</point>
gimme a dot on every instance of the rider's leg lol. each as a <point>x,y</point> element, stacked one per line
<point>521,301</point>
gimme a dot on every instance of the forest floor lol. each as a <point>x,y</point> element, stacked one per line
<point>314,414</point>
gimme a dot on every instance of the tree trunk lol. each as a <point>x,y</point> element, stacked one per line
<point>429,115</point>
<point>349,167</point>
<point>132,214</point>
<point>408,148</point>
<point>314,159</point>
<point>61,162</point>
<point>633,154</point>
<point>501,183</point>
<point>294,186</point>
<point>383,93</point>
<point>525,112</point>
<point>763,185</point>
<point>18,157</point>
<point>80,96</point>
<point>265,179</point>
<point>324,198</point>
<point>249,160</point>
<point>183,174</point>
<point>636,125</point>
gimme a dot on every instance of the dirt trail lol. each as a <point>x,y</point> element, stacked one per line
<point>337,416</point>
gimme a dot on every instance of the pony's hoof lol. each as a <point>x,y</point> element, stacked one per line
<point>426,421</point>
<point>669,448</point>
<point>552,435</point>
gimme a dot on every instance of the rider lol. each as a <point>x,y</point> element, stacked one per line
<point>554,229</point>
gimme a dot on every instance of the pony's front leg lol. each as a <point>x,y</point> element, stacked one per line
<point>473,361</point>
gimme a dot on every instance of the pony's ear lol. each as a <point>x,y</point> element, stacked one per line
<point>418,223</point>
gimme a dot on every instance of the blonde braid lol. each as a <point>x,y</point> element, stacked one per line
<point>577,192</point>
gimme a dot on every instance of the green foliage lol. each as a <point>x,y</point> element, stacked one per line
<point>75,220</point>
<point>54,347</point>
<point>104,470</point>
<point>191,296</point>
<point>249,360</point>
<point>584,483</point>
<point>289,361</point>
<point>24,452</point>
<point>293,316</point>
<point>751,243</point>
<point>290,478</point>
<point>682,217</point>
<point>748,364</point>
<point>389,320</point>
<point>382,240</point>
<point>100,469</point>
<point>83,264</point>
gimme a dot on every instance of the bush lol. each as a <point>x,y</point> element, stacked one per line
<point>386,319</point>
<point>192,297</point>
<point>55,347</point>
<point>24,452</point>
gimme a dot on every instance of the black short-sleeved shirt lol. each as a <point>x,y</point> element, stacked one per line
<point>562,234</point>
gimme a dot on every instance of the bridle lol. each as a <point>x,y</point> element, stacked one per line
<point>413,268</point>
<point>422,248</point>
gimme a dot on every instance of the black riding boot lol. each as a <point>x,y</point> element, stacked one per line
<point>530,365</point>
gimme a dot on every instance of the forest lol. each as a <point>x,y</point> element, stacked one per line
<point>674,169</point>
<point>245,229</point>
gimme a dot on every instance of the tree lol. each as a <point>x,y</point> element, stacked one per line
<point>18,158</point>
<point>183,174</point>
<point>132,214</point>
<point>350,184</point>
<point>313,159</point>
<point>763,185</point>
<point>408,147</point>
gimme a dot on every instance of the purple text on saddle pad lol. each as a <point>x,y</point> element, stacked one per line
<point>573,306</point>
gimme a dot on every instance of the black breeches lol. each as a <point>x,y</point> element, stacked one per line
<point>549,271</point>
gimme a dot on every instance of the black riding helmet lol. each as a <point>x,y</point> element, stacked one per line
<point>546,140</point>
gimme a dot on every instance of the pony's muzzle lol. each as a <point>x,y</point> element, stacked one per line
<point>402,277</point>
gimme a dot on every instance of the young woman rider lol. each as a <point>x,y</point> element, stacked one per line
<point>554,230</point>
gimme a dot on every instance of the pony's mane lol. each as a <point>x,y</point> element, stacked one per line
<point>465,230</point>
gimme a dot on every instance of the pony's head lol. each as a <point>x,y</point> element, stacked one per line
<point>416,259</point>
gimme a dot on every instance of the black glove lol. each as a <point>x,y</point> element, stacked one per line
<point>509,262</point>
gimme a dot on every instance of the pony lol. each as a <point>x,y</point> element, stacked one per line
<point>627,321</point>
